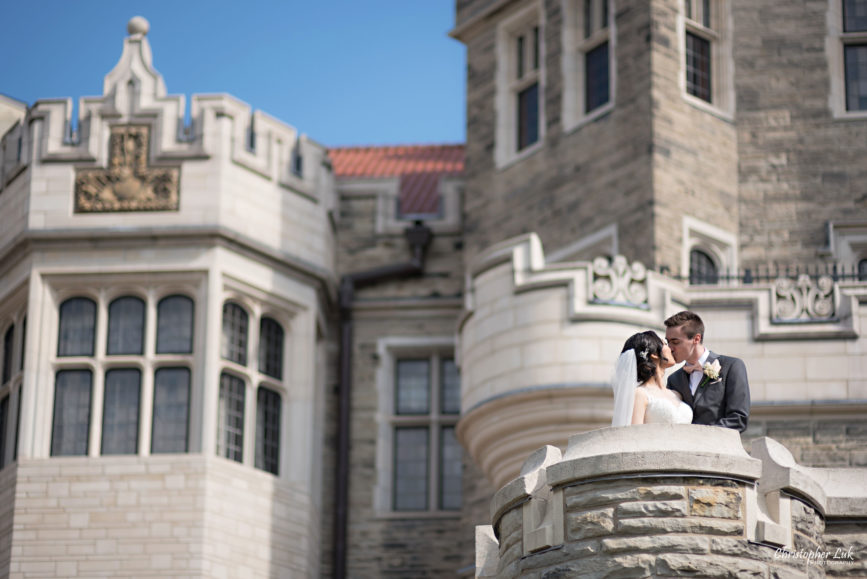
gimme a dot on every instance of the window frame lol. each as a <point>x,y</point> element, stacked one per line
<point>509,83</point>
<point>390,351</point>
<point>576,45</point>
<point>838,39</point>
<point>13,322</point>
<point>257,308</point>
<point>716,29</point>
<point>719,245</point>
<point>105,291</point>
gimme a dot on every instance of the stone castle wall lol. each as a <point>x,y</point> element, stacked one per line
<point>583,179</point>
<point>800,166</point>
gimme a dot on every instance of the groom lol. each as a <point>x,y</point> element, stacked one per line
<point>718,393</point>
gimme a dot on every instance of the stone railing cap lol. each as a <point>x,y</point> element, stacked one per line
<point>654,448</point>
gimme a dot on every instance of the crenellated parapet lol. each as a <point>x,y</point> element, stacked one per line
<point>227,171</point>
<point>670,500</point>
<point>134,94</point>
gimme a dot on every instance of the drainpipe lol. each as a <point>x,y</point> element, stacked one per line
<point>418,237</point>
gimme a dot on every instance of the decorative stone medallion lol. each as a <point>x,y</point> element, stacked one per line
<point>128,184</point>
<point>804,300</point>
<point>618,281</point>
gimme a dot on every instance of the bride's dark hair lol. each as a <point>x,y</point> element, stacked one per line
<point>645,344</point>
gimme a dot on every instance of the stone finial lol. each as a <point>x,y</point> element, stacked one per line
<point>138,26</point>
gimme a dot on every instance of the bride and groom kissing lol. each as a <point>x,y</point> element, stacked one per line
<point>708,389</point>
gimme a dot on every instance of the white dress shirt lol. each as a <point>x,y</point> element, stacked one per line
<point>696,376</point>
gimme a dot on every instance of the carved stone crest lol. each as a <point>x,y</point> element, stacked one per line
<point>128,184</point>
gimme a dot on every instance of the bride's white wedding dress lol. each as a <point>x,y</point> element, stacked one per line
<point>661,410</point>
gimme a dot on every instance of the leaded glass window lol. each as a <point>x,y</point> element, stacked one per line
<point>451,387</point>
<point>702,269</point>
<point>271,348</point>
<point>426,469</point>
<point>121,411</point>
<point>268,410</point>
<point>854,15</point>
<point>171,410</point>
<point>596,88</point>
<point>126,318</point>
<point>855,62</point>
<point>527,59</point>
<point>411,468</point>
<point>450,470</point>
<point>234,342</point>
<point>175,325</point>
<point>698,66</point>
<point>413,387</point>
<point>77,327</point>
<point>528,116</point>
<point>230,420</point>
<point>72,391</point>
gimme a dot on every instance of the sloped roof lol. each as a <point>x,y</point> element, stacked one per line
<point>419,168</point>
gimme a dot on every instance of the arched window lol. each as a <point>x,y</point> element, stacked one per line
<point>71,412</point>
<point>230,419</point>
<point>702,269</point>
<point>268,405</point>
<point>120,411</point>
<point>77,323</point>
<point>126,318</point>
<point>175,325</point>
<point>171,410</point>
<point>271,348</point>
<point>862,270</point>
<point>234,342</point>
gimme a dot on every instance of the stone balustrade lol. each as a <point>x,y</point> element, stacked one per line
<point>672,500</point>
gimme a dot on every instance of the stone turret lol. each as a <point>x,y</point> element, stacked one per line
<point>670,500</point>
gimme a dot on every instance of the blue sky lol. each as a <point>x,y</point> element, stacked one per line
<point>345,72</point>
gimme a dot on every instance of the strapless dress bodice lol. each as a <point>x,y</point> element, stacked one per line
<point>660,410</point>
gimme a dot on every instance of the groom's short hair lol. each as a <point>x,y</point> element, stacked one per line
<point>690,321</point>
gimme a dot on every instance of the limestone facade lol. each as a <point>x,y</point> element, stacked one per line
<point>132,204</point>
<point>510,290</point>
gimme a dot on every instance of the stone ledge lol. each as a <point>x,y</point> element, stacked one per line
<point>654,448</point>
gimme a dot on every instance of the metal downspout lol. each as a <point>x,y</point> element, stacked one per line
<point>418,237</point>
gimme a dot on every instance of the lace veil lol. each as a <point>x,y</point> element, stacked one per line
<point>623,382</point>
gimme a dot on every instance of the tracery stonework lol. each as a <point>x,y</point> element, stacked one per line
<point>128,184</point>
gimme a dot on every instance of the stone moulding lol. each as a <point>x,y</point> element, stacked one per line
<point>565,510</point>
<point>600,291</point>
<point>617,291</point>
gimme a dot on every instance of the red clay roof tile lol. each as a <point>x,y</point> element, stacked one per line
<point>419,167</point>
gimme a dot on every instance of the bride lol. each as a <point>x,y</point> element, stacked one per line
<point>640,395</point>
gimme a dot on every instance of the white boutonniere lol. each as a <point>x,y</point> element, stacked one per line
<point>711,372</point>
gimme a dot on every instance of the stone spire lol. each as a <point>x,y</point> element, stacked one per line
<point>134,84</point>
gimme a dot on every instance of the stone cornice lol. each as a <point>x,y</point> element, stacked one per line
<point>312,274</point>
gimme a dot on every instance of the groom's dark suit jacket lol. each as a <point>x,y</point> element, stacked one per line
<point>721,402</point>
